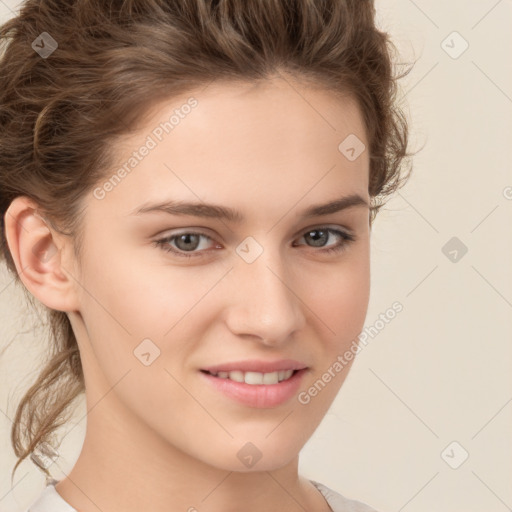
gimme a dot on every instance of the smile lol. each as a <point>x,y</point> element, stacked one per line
<point>255,378</point>
<point>255,389</point>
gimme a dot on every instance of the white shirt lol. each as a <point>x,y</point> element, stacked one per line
<point>51,501</point>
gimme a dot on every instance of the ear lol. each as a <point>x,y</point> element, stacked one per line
<point>38,252</point>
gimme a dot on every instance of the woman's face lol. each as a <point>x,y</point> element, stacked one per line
<point>165,293</point>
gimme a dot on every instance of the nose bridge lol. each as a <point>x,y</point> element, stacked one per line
<point>265,302</point>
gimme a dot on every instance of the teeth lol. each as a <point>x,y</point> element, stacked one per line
<point>255,378</point>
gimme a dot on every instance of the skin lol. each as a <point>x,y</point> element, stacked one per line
<point>270,151</point>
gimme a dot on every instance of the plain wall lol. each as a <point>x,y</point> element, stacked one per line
<point>439,371</point>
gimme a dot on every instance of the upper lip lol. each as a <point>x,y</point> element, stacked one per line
<point>257,365</point>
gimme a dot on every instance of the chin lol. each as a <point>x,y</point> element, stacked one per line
<point>255,455</point>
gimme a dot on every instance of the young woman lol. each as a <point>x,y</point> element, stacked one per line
<point>188,187</point>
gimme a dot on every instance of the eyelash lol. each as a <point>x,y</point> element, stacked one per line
<point>347,238</point>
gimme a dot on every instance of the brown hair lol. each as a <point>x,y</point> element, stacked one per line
<point>61,113</point>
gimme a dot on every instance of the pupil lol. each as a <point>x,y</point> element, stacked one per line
<point>316,238</point>
<point>187,237</point>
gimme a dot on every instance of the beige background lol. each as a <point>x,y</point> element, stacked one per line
<point>440,370</point>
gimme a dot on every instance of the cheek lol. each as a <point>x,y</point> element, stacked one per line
<point>340,304</point>
<point>132,310</point>
<point>145,299</point>
<point>347,304</point>
<point>339,299</point>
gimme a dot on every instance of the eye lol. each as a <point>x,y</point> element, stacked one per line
<point>318,235</point>
<point>189,241</point>
<point>186,242</point>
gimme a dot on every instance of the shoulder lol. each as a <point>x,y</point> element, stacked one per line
<point>50,501</point>
<point>339,503</point>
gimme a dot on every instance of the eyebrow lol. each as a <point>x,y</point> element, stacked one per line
<point>221,212</point>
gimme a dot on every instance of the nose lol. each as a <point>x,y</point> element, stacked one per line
<point>263,302</point>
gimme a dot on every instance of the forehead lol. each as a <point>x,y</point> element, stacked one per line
<point>240,141</point>
<point>276,116</point>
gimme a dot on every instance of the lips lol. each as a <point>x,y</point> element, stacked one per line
<point>256,395</point>
<point>256,382</point>
<point>255,365</point>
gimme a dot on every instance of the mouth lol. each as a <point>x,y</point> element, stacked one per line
<point>254,378</point>
<point>255,389</point>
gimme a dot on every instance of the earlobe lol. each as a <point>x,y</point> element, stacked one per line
<point>37,251</point>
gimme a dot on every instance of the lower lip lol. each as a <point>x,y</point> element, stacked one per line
<point>258,395</point>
